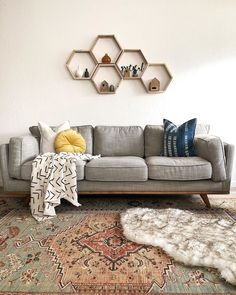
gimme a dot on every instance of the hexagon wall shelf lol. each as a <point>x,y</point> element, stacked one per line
<point>109,74</point>
<point>78,62</point>
<point>125,64</point>
<point>130,57</point>
<point>106,44</point>
<point>158,71</point>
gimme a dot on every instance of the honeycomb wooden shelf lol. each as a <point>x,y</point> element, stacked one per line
<point>157,71</point>
<point>109,44</point>
<point>125,64</point>
<point>136,57</point>
<point>72,64</point>
<point>111,76</point>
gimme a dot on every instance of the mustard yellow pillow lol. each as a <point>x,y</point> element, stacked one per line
<point>70,141</point>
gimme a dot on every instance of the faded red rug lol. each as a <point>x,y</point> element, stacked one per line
<point>83,251</point>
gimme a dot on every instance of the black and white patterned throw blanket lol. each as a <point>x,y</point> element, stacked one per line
<point>54,178</point>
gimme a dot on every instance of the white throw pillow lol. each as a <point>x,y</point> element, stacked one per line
<point>48,136</point>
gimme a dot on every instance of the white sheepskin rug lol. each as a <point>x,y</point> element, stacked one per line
<point>191,237</point>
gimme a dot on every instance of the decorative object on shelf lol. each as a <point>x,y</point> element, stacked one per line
<point>135,71</point>
<point>112,88</point>
<point>86,73</point>
<point>106,59</point>
<point>127,64</point>
<point>126,72</point>
<point>77,72</point>
<point>104,86</point>
<point>154,85</point>
<point>142,67</point>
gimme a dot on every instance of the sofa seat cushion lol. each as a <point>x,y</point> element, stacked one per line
<point>178,168</point>
<point>127,168</point>
<point>26,170</point>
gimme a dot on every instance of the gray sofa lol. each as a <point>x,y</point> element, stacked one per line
<point>131,162</point>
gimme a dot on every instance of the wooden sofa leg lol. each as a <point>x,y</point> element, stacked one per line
<point>206,200</point>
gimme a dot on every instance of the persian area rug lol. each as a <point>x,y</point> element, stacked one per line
<point>194,238</point>
<point>83,250</point>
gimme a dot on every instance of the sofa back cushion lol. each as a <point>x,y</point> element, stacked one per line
<point>154,136</point>
<point>119,141</point>
<point>86,131</point>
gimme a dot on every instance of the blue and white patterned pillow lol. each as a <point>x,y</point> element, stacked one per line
<point>179,141</point>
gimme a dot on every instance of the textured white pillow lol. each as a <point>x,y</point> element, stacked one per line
<point>48,136</point>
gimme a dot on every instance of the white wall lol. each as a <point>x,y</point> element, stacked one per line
<point>197,40</point>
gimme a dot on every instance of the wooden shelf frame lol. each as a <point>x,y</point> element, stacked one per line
<point>114,66</point>
<point>157,65</point>
<point>116,59</point>
<point>136,51</point>
<point>70,58</point>
<point>115,41</point>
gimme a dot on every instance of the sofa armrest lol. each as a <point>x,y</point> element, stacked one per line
<point>4,164</point>
<point>229,154</point>
<point>211,148</point>
<point>21,150</point>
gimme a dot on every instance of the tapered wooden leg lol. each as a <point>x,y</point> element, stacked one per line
<point>206,200</point>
